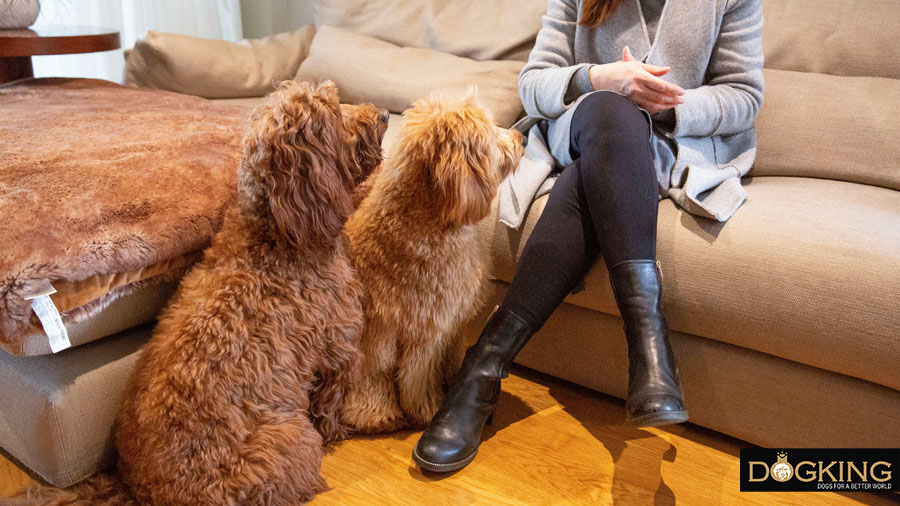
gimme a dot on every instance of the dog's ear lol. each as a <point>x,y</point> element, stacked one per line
<point>456,143</point>
<point>328,90</point>
<point>295,164</point>
<point>365,125</point>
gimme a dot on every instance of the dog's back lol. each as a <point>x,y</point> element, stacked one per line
<point>421,277</point>
<point>217,408</point>
<point>416,250</point>
<point>241,383</point>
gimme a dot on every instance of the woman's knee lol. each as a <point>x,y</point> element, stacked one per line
<point>608,113</point>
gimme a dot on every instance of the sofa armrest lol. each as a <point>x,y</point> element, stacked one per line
<point>216,68</point>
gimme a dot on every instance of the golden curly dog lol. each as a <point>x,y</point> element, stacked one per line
<point>415,248</point>
<point>240,384</point>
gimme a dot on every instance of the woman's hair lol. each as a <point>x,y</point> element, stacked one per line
<point>594,12</point>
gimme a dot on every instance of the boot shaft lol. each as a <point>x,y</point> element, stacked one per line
<point>503,337</point>
<point>637,285</point>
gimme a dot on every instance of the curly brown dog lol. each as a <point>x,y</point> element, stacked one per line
<point>415,248</point>
<point>241,382</point>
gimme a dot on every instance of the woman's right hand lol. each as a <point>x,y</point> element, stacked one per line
<point>638,81</point>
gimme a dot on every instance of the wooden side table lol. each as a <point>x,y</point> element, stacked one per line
<point>18,46</point>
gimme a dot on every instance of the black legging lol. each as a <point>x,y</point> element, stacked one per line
<point>604,203</point>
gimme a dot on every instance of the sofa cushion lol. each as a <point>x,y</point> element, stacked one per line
<point>366,69</point>
<point>807,270</point>
<point>840,37</point>
<point>831,127</point>
<point>494,30</point>
<point>216,68</point>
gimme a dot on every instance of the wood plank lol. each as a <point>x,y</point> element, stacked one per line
<point>12,479</point>
<point>552,443</point>
<point>557,443</point>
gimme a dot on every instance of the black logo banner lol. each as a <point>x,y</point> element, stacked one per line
<point>820,469</point>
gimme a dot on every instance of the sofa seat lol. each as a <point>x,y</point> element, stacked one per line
<point>807,270</point>
<point>395,124</point>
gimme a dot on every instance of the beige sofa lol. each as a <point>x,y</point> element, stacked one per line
<point>784,319</point>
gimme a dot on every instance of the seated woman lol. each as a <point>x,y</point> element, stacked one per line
<point>626,138</point>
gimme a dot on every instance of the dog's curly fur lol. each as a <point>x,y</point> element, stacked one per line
<point>415,249</point>
<point>241,383</point>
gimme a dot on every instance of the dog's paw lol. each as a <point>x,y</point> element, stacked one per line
<point>379,425</point>
<point>381,419</point>
<point>373,418</point>
<point>421,414</point>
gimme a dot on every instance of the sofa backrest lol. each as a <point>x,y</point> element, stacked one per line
<point>832,91</point>
<point>477,29</point>
<point>832,71</point>
<point>836,37</point>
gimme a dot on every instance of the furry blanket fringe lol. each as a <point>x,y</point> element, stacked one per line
<point>98,178</point>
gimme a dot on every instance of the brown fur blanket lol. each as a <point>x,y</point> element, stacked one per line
<point>98,178</point>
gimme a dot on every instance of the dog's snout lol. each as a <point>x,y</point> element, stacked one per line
<point>384,115</point>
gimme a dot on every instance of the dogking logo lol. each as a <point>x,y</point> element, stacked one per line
<point>812,469</point>
<point>781,470</point>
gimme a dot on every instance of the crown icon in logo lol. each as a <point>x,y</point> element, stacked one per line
<point>782,470</point>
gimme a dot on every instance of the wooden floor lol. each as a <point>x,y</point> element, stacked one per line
<point>552,443</point>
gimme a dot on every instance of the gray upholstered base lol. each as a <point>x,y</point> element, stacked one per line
<point>57,411</point>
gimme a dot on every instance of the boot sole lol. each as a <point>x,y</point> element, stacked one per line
<point>658,419</point>
<point>442,468</point>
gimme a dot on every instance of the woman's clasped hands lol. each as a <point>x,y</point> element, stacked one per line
<point>638,81</point>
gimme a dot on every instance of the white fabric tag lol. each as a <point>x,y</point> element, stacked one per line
<point>56,332</point>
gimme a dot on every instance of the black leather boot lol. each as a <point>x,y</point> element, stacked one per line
<point>451,440</point>
<point>654,389</point>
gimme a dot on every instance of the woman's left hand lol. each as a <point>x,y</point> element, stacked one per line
<point>653,95</point>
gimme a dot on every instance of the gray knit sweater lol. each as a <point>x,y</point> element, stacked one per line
<point>715,50</point>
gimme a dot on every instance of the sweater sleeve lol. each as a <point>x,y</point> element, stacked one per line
<point>551,81</point>
<point>733,95</point>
